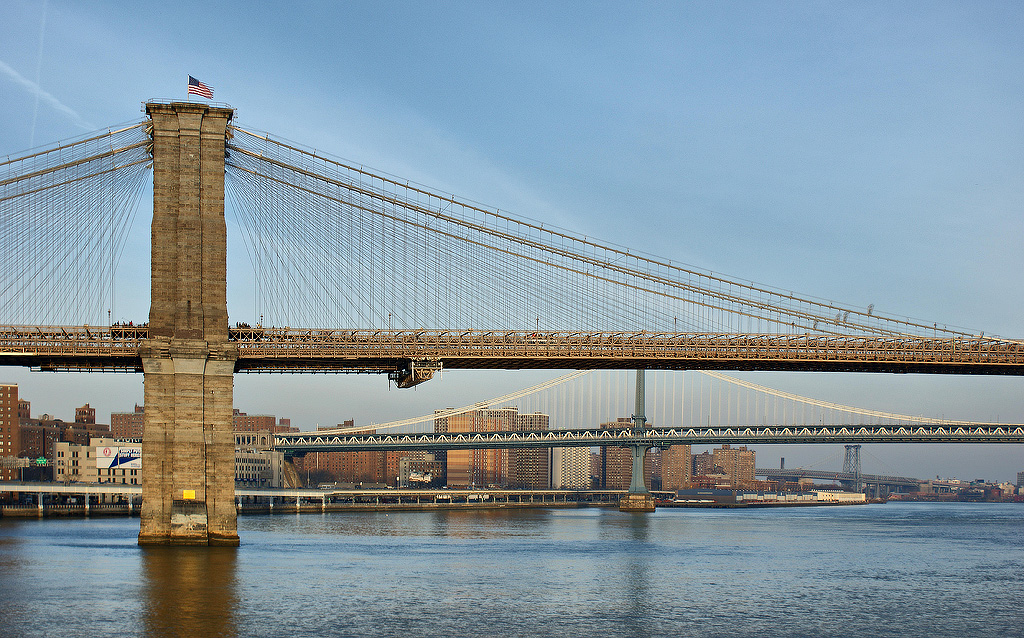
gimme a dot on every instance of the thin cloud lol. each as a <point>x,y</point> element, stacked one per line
<point>35,90</point>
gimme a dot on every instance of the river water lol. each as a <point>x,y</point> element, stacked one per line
<point>899,569</point>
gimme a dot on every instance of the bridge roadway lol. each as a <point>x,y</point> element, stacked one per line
<point>117,348</point>
<point>303,442</point>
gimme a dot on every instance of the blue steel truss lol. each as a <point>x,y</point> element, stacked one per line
<point>301,443</point>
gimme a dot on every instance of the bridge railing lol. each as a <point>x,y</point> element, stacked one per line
<point>268,344</point>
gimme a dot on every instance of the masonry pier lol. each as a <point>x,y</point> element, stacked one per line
<point>188,476</point>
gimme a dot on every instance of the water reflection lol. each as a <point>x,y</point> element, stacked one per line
<point>928,569</point>
<point>639,526</point>
<point>637,585</point>
<point>190,591</point>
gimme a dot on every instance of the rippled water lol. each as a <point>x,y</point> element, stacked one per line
<point>904,569</point>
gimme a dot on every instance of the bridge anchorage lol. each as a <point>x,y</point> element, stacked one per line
<point>333,239</point>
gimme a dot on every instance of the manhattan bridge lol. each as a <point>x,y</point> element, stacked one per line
<point>359,271</point>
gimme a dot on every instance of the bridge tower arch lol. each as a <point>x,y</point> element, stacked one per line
<point>188,475</point>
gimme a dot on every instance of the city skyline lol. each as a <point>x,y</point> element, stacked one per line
<point>868,153</point>
<point>875,459</point>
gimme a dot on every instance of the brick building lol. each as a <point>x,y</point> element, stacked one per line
<point>420,469</point>
<point>351,467</point>
<point>128,425</point>
<point>617,463</point>
<point>243,422</point>
<point>38,439</point>
<point>516,468</point>
<point>10,428</point>
<point>480,467</point>
<point>736,463</point>
<point>703,464</point>
<point>677,468</point>
<point>530,468</point>
<point>85,414</point>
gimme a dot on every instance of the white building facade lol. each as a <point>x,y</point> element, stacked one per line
<point>570,468</point>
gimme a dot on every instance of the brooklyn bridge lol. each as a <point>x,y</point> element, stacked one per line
<point>359,271</point>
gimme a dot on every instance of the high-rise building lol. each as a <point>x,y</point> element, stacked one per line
<point>1020,479</point>
<point>10,429</point>
<point>24,409</point>
<point>676,468</point>
<point>127,425</point>
<point>652,468</point>
<point>736,463</point>
<point>595,469</point>
<point>389,464</point>
<point>523,468</point>
<point>530,468</point>
<point>703,464</point>
<point>37,440</point>
<point>616,462</point>
<point>570,468</point>
<point>480,467</point>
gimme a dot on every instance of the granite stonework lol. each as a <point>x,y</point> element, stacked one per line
<point>188,474</point>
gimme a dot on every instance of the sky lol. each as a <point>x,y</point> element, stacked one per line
<point>863,152</point>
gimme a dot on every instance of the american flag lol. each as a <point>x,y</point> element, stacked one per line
<point>195,87</point>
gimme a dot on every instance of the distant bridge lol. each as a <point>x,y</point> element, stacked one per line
<point>303,442</point>
<point>776,474</point>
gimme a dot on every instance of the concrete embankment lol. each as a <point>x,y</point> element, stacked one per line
<point>80,511</point>
<point>762,505</point>
<point>291,508</point>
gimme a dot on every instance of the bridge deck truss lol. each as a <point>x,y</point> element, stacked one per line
<point>314,350</point>
<point>302,443</point>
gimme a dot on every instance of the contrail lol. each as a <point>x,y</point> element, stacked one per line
<point>39,66</point>
<point>34,89</point>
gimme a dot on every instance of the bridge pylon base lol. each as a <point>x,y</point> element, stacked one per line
<point>637,503</point>
<point>188,468</point>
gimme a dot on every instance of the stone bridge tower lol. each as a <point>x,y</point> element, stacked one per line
<point>188,475</point>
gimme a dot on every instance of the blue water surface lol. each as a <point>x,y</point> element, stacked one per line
<point>898,569</point>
